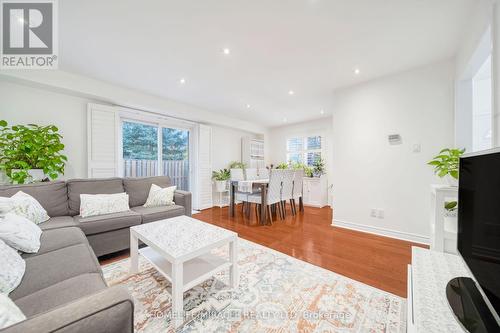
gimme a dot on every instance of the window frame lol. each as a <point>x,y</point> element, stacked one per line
<point>159,122</point>
<point>305,149</point>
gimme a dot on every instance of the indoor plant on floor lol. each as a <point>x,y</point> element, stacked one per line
<point>31,152</point>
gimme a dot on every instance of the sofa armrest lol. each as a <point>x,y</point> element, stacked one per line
<point>183,198</point>
<point>108,311</point>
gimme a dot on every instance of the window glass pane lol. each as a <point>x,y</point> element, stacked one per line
<point>314,142</point>
<point>294,158</point>
<point>294,144</point>
<point>481,113</point>
<point>175,154</point>
<point>312,157</point>
<point>140,149</point>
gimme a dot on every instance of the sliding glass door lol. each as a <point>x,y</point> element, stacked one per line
<point>156,149</point>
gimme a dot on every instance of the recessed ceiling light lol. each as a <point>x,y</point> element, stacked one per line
<point>356,71</point>
<point>291,92</point>
<point>182,81</point>
<point>285,120</point>
<point>322,111</point>
<point>248,106</point>
<point>226,51</point>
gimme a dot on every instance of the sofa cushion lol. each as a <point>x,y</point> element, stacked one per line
<point>102,223</point>
<point>58,222</point>
<point>60,293</point>
<point>55,239</point>
<point>150,214</point>
<point>53,196</point>
<point>91,186</point>
<point>138,188</point>
<point>47,269</point>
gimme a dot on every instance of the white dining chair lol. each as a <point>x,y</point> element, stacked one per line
<point>237,175</point>
<point>263,173</point>
<point>298,190</point>
<point>273,193</point>
<point>251,174</point>
<point>287,189</point>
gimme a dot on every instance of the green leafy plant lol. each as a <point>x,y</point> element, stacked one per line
<point>221,175</point>
<point>451,206</point>
<point>25,147</point>
<point>308,171</point>
<point>282,166</point>
<point>446,163</point>
<point>319,166</point>
<point>237,165</point>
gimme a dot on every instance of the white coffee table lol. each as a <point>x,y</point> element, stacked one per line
<point>179,248</point>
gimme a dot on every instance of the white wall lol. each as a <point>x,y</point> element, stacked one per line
<point>277,136</point>
<point>226,145</point>
<point>368,172</point>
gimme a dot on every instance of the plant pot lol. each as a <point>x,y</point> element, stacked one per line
<point>220,185</point>
<point>451,181</point>
<point>35,175</point>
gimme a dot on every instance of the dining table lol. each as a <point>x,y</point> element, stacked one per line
<point>250,186</point>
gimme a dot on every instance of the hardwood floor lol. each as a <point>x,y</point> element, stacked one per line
<point>378,261</point>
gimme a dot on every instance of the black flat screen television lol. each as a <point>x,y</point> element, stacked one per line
<point>479,229</point>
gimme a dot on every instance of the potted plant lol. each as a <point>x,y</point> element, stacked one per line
<point>319,167</point>
<point>446,164</point>
<point>282,166</point>
<point>237,165</point>
<point>220,178</point>
<point>31,152</point>
<point>308,171</point>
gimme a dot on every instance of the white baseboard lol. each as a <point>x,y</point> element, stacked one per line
<point>410,237</point>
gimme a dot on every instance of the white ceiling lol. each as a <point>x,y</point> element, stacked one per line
<point>309,46</point>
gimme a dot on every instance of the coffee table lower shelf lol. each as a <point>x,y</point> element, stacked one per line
<point>196,270</point>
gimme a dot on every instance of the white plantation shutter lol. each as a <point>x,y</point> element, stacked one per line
<point>102,140</point>
<point>204,168</point>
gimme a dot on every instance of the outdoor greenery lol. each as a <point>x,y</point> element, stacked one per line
<point>25,147</point>
<point>140,142</point>
<point>446,163</point>
<point>319,167</point>
<point>237,165</point>
<point>221,175</point>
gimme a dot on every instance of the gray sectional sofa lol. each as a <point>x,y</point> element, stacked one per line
<point>63,289</point>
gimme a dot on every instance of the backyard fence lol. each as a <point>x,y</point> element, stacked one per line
<point>178,171</point>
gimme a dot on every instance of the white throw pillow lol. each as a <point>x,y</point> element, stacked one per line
<point>20,233</point>
<point>99,204</point>
<point>160,196</point>
<point>24,205</point>
<point>13,267</point>
<point>9,312</point>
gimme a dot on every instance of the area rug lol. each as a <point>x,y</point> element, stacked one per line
<point>276,293</point>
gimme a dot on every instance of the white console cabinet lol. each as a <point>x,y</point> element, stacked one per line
<point>316,191</point>
<point>428,308</point>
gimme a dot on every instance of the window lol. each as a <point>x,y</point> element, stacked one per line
<point>481,108</point>
<point>142,144</point>
<point>305,150</point>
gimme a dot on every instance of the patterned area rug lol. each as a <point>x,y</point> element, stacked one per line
<point>276,293</point>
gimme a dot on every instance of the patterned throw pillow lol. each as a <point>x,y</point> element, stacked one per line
<point>9,312</point>
<point>160,196</point>
<point>13,267</point>
<point>20,233</point>
<point>25,205</point>
<point>99,204</point>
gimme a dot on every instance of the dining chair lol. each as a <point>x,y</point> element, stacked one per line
<point>251,174</point>
<point>263,173</point>
<point>287,189</point>
<point>298,190</point>
<point>237,175</point>
<point>273,195</point>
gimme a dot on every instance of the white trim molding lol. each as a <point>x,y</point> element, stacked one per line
<point>406,236</point>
